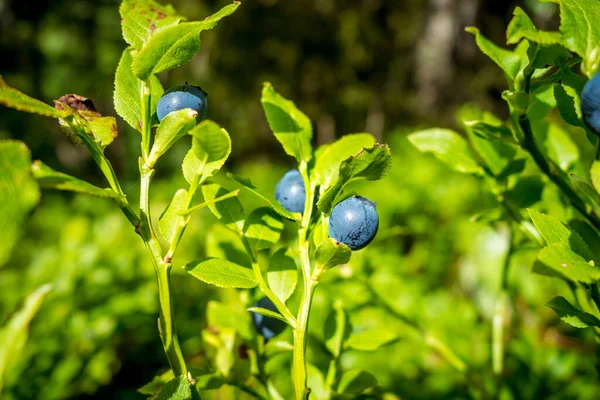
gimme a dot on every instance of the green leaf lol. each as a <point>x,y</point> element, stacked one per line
<point>543,57</point>
<point>127,91</point>
<point>558,260</point>
<point>175,45</point>
<point>229,211</point>
<point>19,193</point>
<point>337,329</point>
<point>289,125</point>
<point>171,218</point>
<point>371,339</point>
<point>140,19</point>
<point>172,128</point>
<point>180,388</point>
<point>569,107</point>
<point>11,97</point>
<point>15,332</point>
<point>595,175</point>
<point>211,147</point>
<point>268,313</point>
<point>496,154</point>
<point>48,178</point>
<point>356,381</point>
<point>331,253</point>
<point>157,383</point>
<point>282,274</point>
<point>371,164</point>
<point>559,146</point>
<point>329,156</point>
<point>553,231</point>
<point>222,273</point>
<point>490,131</point>
<point>83,125</point>
<point>262,228</point>
<point>104,130</point>
<point>205,204</point>
<point>508,61</point>
<point>572,315</point>
<point>448,147</point>
<point>521,27</point>
<point>586,190</point>
<point>247,184</point>
<point>579,31</point>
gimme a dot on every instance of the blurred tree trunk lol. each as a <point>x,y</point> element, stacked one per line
<point>435,66</point>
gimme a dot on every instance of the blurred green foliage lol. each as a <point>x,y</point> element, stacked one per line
<point>96,335</point>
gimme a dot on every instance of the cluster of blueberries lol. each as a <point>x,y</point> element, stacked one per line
<point>353,221</point>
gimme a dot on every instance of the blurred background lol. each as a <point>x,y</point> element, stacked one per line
<point>384,67</point>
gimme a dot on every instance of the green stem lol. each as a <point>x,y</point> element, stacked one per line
<point>442,349</point>
<point>76,124</point>
<point>166,322</point>
<point>299,375</point>
<point>299,358</point>
<point>162,266</point>
<point>550,170</point>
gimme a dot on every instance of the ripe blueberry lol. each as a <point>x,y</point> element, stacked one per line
<point>354,222</point>
<point>267,326</point>
<point>180,97</point>
<point>290,191</point>
<point>590,103</point>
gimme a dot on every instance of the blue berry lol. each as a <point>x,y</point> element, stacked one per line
<point>180,97</point>
<point>590,103</point>
<point>354,222</point>
<point>290,191</point>
<point>267,326</point>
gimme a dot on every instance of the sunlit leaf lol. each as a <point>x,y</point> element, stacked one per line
<point>48,178</point>
<point>171,218</point>
<point>175,45</point>
<point>331,253</point>
<point>572,315</point>
<point>371,339</point>
<point>262,228</point>
<point>222,273</point>
<point>371,164</point>
<point>282,274</point>
<point>15,332</point>
<point>229,211</point>
<point>173,127</point>
<point>289,125</point>
<point>140,19</point>
<point>11,97</point>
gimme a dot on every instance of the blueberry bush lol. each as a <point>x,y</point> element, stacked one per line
<point>322,282</point>
<point>160,39</point>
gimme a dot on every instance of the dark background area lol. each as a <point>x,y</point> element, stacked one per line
<point>352,66</point>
